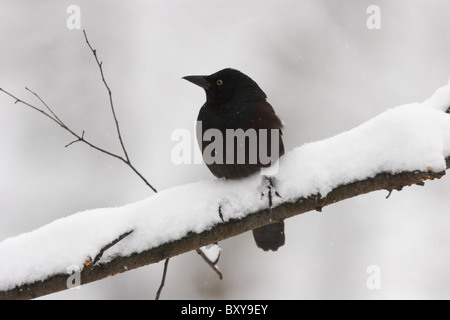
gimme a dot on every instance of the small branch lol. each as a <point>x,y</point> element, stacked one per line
<point>220,213</point>
<point>17,100</point>
<point>210,263</point>
<point>100,66</point>
<point>125,159</point>
<point>48,108</point>
<point>163,280</point>
<point>102,251</point>
<point>140,176</point>
<point>59,122</point>
<point>389,194</point>
<point>78,140</point>
<point>221,231</point>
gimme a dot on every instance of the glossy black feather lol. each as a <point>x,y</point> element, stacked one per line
<point>234,101</point>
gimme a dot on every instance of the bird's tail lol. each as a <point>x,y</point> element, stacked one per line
<point>270,237</point>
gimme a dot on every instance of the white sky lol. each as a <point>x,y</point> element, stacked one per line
<point>323,71</point>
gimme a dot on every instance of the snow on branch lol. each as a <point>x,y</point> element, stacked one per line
<point>403,146</point>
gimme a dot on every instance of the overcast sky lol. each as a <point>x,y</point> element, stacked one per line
<point>324,71</point>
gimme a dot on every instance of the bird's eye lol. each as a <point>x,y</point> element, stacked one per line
<point>219,82</point>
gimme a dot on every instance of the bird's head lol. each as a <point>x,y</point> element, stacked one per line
<point>228,85</point>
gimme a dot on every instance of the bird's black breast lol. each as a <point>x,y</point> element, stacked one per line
<point>225,116</point>
<point>254,116</point>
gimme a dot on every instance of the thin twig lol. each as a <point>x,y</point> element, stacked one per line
<point>100,64</point>
<point>65,127</point>
<point>81,138</point>
<point>163,280</point>
<point>78,140</point>
<point>30,105</point>
<point>102,251</point>
<point>389,194</point>
<point>210,263</point>
<point>48,108</point>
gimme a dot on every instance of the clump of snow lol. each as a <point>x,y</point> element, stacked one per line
<point>406,138</point>
<point>212,252</point>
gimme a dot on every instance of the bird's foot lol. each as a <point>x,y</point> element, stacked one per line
<point>269,188</point>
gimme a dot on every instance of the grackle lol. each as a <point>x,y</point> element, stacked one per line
<point>234,101</point>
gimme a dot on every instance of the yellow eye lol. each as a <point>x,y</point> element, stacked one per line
<point>219,82</point>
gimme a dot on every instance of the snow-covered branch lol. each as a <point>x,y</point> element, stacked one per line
<point>403,146</point>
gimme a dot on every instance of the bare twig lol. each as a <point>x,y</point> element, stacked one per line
<point>30,105</point>
<point>80,138</point>
<point>48,108</point>
<point>100,66</point>
<point>59,122</point>
<point>191,241</point>
<point>77,140</point>
<point>163,280</point>
<point>210,263</point>
<point>389,194</point>
<point>111,103</point>
<point>102,251</point>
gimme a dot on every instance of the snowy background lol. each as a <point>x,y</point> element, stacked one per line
<point>324,72</point>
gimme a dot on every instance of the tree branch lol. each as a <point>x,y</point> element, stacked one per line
<point>212,264</point>
<point>65,127</point>
<point>163,280</point>
<point>224,230</point>
<point>100,66</point>
<point>102,251</point>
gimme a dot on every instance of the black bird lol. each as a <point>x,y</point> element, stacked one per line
<point>235,101</point>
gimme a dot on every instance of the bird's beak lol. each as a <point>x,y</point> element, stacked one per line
<point>198,80</point>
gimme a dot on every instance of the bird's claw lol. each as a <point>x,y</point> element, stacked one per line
<point>269,187</point>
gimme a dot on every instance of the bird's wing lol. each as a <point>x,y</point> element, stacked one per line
<point>264,117</point>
